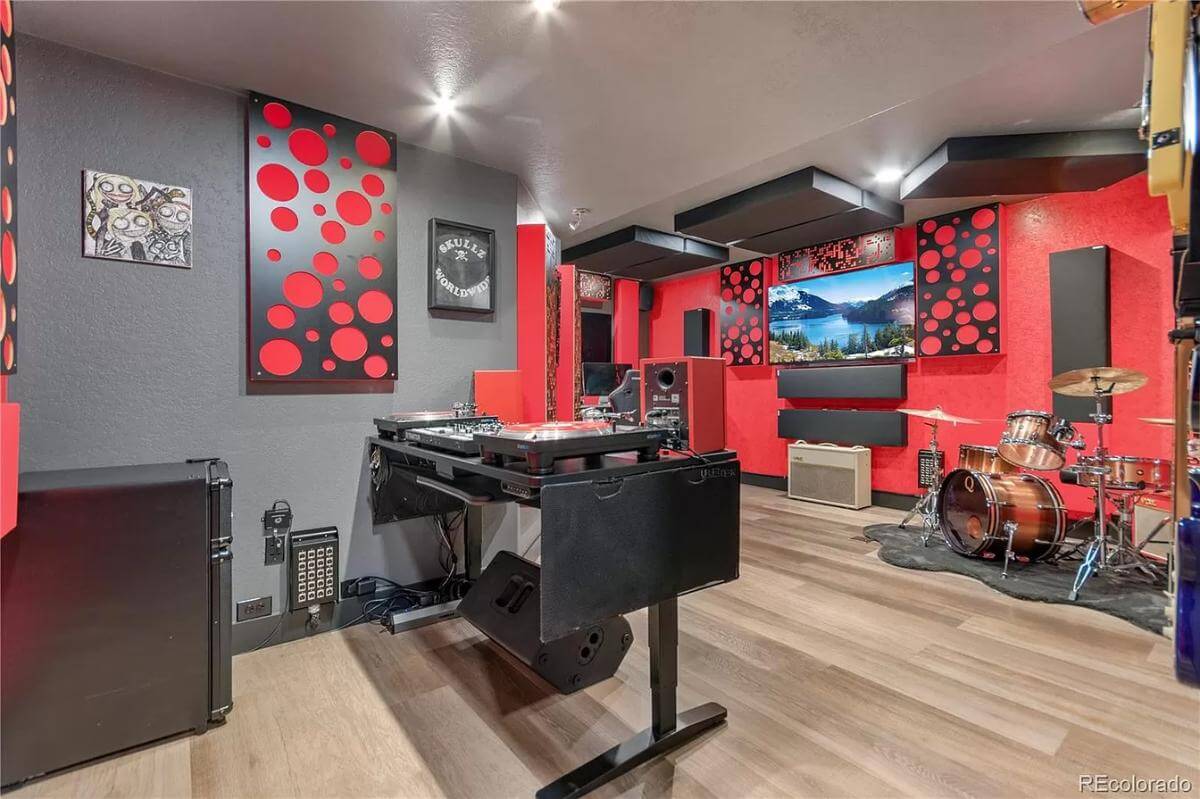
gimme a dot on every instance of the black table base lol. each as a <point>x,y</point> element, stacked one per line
<point>667,730</point>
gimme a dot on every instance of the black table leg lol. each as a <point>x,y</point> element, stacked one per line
<point>667,730</point>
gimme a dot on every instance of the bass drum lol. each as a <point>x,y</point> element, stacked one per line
<point>974,506</point>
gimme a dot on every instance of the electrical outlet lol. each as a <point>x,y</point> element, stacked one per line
<point>253,608</point>
<point>272,550</point>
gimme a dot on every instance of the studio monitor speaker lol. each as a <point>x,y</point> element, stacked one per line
<point>696,326</point>
<point>505,604</point>
<point>645,296</point>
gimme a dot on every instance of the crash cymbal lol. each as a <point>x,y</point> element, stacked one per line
<point>937,414</point>
<point>1166,421</point>
<point>1110,379</point>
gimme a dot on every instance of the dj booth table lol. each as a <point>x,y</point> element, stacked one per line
<point>619,534</point>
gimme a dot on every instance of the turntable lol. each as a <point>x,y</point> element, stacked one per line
<point>394,426</point>
<point>540,444</point>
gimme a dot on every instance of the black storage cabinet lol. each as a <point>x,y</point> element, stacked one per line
<point>115,603</point>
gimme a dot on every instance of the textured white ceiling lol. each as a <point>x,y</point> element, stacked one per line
<point>639,110</point>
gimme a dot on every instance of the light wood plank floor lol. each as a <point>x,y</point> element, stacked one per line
<point>843,677</point>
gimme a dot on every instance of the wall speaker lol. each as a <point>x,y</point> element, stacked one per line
<point>1079,321</point>
<point>645,296</point>
<point>696,326</point>
<point>505,604</point>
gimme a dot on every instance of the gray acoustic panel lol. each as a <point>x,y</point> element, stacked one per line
<point>1030,163</point>
<point>1079,321</point>
<point>877,381</point>
<point>642,253</point>
<point>805,207</point>
<point>868,428</point>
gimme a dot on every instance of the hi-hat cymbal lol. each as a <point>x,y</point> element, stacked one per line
<point>1166,421</point>
<point>937,414</point>
<point>1110,380</point>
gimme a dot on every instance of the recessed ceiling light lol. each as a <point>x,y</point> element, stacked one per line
<point>545,6</point>
<point>444,105</point>
<point>889,175</point>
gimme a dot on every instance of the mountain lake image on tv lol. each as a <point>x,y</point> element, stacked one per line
<point>847,316</point>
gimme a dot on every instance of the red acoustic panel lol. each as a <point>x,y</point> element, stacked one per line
<point>8,191</point>
<point>10,435</point>
<point>742,336</point>
<point>958,283</point>
<point>869,249</point>
<point>498,393</point>
<point>322,245</point>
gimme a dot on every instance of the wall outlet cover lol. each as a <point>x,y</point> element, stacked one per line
<point>253,608</point>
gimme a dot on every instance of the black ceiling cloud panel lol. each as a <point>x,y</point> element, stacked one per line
<point>643,253</point>
<point>798,209</point>
<point>1030,163</point>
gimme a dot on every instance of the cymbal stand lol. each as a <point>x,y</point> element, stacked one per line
<point>1101,555</point>
<point>927,504</point>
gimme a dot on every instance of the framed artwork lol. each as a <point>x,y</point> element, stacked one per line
<point>462,267</point>
<point>594,287</point>
<point>131,219</point>
<point>321,253</point>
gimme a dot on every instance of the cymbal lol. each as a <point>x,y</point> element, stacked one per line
<point>1111,379</point>
<point>937,414</point>
<point>1166,421</point>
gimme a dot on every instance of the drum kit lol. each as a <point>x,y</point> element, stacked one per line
<point>993,505</point>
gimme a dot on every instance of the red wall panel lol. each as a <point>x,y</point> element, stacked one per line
<point>625,321</point>
<point>532,320</point>
<point>988,387</point>
<point>568,343</point>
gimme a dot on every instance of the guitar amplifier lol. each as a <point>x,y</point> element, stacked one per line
<point>830,474</point>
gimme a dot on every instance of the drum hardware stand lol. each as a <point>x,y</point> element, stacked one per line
<point>1010,530</point>
<point>927,504</point>
<point>1100,555</point>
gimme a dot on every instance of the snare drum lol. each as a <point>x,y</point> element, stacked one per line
<point>1032,439</point>
<point>983,459</point>
<point>1125,473</point>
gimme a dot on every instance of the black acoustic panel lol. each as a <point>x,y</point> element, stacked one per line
<point>615,546</point>
<point>874,213</point>
<point>1079,321</point>
<point>802,196</point>
<point>869,428</point>
<point>881,381</point>
<point>697,324</point>
<point>643,253</point>
<point>1031,163</point>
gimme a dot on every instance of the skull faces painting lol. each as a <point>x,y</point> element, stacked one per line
<point>128,219</point>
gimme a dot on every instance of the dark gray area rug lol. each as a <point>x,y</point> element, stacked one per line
<point>1136,602</point>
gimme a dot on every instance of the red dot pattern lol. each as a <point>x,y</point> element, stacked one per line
<point>964,246</point>
<point>323,257</point>
<point>741,313</point>
<point>8,193</point>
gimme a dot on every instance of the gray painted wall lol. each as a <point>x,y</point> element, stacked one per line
<point>128,363</point>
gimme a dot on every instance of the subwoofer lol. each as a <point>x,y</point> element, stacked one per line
<point>505,605</point>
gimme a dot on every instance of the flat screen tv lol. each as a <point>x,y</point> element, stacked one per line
<point>861,314</point>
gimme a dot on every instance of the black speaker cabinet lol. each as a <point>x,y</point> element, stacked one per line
<point>645,296</point>
<point>696,326</point>
<point>877,381</point>
<point>505,604</point>
<point>868,428</point>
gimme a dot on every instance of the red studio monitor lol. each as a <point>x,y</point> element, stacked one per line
<point>689,392</point>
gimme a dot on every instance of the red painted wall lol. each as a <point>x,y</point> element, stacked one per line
<point>625,321</point>
<point>567,344</point>
<point>988,387</point>
<point>532,320</point>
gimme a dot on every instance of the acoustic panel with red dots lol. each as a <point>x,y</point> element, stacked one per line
<point>8,192</point>
<point>321,252</point>
<point>958,283</point>
<point>742,337</point>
